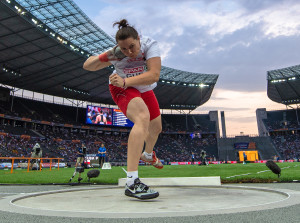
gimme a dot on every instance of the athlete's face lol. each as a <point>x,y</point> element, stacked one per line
<point>130,47</point>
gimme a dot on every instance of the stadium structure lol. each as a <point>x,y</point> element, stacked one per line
<point>283,85</point>
<point>44,44</point>
<point>278,130</point>
<point>284,88</point>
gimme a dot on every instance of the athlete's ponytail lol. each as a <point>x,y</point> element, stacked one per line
<point>125,30</point>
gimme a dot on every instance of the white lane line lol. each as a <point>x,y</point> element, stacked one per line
<point>263,171</point>
<point>239,175</point>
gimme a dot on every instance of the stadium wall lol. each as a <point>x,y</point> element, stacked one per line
<point>213,116</point>
<point>264,146</point>
<point>261,114</point>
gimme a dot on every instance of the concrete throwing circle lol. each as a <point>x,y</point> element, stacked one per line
<point>110,202</point>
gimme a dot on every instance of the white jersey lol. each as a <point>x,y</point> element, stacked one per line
<point>129,67</point>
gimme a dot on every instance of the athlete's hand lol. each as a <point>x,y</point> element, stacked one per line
<point>117,53</point>
<point>114,54</point>
<point>116,80</point>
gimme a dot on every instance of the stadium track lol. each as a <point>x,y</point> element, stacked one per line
<point>282,215</point>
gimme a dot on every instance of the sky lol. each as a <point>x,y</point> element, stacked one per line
<point>238,39</point>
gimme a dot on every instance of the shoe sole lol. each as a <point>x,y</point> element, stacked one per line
<point>158,167</point>
<point>142,197</point>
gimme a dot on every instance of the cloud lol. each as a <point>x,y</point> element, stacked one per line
<point>218,18</point>
<point>239,107</point>
<point>240,59</point>
<point>238,39</point>
<point>241,119</point>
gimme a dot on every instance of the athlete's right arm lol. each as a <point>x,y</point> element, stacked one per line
<point>93,63</point>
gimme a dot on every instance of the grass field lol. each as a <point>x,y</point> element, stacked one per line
<point>228,172</point>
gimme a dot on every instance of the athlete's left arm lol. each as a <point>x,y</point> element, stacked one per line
<point>149,77</point>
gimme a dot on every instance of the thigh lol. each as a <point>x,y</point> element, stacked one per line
<point>122,96</point>
<point>152,104</point>
<point>137,109</point>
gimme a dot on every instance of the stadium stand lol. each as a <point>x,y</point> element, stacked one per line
<point>283,128</point>
<point>282,120</point>
<point>288,145</point>
<point>175,144</point>
<point>64,144</point>
<point>37,121</point>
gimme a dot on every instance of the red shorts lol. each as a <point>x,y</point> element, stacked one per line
<point>123,96</point>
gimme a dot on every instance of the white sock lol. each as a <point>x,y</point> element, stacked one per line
<point>148,155</point>
<point>131,176</point>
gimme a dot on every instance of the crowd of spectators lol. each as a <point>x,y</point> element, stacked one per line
<point>179,148</point>
<point>281,125</point>
<point>64,143</point>
<point>288,145</point>
<point>56,113</point>
<point>282,120</point>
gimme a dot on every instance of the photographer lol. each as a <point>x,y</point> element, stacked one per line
<point>36,153</point>
<point>203,157</point>
<point>79,166</point>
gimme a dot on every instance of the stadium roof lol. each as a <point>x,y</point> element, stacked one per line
<point>70,22</point>
<point>284,85</point>
<point>44,44</point>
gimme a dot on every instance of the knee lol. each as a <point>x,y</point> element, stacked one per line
<point>156,129</point>
<point>143,119</point>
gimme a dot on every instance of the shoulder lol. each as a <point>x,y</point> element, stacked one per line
<point>147,41</point>
<point>149,47</point>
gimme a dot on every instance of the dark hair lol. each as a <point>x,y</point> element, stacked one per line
<point>125,30</point>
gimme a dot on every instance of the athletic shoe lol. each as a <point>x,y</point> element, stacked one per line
<point>154,161</point>
<point>79,179</point>
<point>140,191</point>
